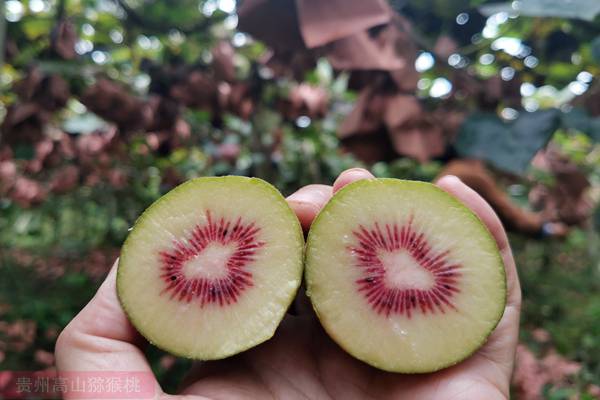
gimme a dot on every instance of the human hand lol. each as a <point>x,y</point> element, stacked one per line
<point>301,361</point>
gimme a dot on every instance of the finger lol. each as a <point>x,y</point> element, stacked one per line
<point>349,176</point>
<point>101,338</point>
<point>308,201</point>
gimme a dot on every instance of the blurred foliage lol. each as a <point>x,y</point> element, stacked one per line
<point>559,281</point>
<point>107,104</point>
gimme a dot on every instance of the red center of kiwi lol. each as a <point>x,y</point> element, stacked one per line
<point>236,242</point>
<point>429,289</point>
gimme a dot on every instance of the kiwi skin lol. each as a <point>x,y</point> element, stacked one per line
<point>120,289</point>
<point>456,203</point>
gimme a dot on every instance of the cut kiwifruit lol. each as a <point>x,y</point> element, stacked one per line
<point>403,276</point>
<point>210,268</point>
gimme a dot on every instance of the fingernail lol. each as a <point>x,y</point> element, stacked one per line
<point>311,194</point>
<point>357,169</point>
<point>451,178</point>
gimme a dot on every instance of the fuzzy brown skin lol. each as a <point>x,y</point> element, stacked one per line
<point>300,361</point>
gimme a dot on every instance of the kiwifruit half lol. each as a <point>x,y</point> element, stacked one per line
<point>403,276</point>
<point>211,267</point>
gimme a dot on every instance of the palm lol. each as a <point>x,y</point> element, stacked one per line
<point>301,361</point>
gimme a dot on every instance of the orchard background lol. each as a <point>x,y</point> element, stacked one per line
<point>107,104</point>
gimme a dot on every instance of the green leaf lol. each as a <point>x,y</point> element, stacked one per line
<point>121,54</point>
<point>507,146</point>
<point>580,9</point>
<point>578,119</point>
<point>596,49</point>
<point>24,151</point>
<point>36,27</point>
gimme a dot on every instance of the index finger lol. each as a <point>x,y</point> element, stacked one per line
<point>308,201</point>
